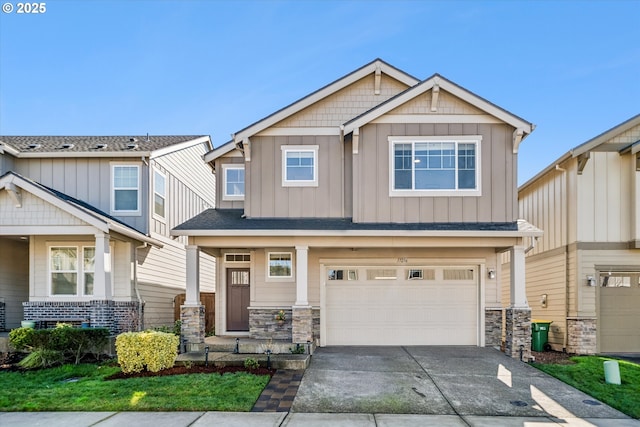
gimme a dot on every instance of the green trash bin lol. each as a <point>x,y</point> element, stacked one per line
<point>539,334</point>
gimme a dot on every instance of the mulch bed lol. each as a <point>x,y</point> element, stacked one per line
<point>553,357</point>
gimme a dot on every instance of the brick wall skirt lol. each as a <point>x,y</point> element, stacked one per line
<point>2,316</point>
<point>582,335</point>
<point>493,327</point>
<point>263,324</point>
<point>518,333</point>
<point>117,316</point>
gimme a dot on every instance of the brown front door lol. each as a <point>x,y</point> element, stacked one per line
<point>237,299</point>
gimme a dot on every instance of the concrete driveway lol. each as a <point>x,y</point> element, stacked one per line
<point>463,381</point>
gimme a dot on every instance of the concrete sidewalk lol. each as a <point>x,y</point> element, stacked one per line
<point>249,419</point>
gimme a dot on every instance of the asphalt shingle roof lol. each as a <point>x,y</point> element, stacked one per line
<point>54,144</point>
<point>231,219</point>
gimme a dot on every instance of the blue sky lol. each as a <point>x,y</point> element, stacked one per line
<point>117,67</point>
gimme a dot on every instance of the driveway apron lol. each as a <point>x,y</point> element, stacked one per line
<point>465,381</point>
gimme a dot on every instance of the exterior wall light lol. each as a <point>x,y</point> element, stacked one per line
<point>591,281</point>
<point>491,273</point>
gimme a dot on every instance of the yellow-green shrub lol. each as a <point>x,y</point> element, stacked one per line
<point>150,349</point>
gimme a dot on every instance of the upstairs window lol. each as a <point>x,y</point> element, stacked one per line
<point>434,166</point>
<point>125,185</point>
<point>233,182</point>
<point>300,166</point>
<point>159,194</point>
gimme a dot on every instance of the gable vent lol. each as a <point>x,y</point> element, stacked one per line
<point>65,146</point>
<point>33,146</point>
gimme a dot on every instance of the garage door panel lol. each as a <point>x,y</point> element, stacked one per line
<point>387,312</point>
<point>619,319</point>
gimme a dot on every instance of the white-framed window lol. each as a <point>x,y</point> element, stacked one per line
<point>620,279</point>
<point>159,194</point>
<point>125,189</point>
<point>71,270</point>
<point>280,265</point>
<point>299,165</point>
<point>342,274</point>
<point>233,182</point>
<point>434,166</point>
<point>237,257</point>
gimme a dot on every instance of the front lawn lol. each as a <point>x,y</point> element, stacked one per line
<point>83,388</point>
<point>587,375</point>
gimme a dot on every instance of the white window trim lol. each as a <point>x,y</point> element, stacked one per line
<point>237,253</point>
<point>115,212</point>
<point>80,270</point>
<point>465,139</point>
<point>164,196</point>
<point>280,278</point>
<point>232,197</point>
<point>303,148</point>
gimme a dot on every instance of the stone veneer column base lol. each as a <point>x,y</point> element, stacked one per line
<point>581,335</point>
<point>2,316</point>
<point>192,326</point>
<point>302,325</point>
<point>518,333</point>
<point>493,327</point>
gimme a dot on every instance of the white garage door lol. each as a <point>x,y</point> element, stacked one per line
<point>619,312</point>
<point>402,306</point>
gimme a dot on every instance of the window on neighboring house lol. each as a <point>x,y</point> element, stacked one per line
<point>300,166</point>
<point>434,166</point>
<point>125,189</point>
<point>233,182</point>
<point>159,194</point>
<point>70,275</point>
<point>280,265</point>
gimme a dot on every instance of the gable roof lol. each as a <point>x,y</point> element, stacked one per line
<point>310,99</point>
<point>99,146</point>
<point>78,208</point>
<point>593,143</point>
<point>452,88</point>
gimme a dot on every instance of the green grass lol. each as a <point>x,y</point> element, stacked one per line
<point>52,390</point>
<point>587,375</point>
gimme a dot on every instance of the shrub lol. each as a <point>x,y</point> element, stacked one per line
<point>150,350</point>
<point>250,363</point>
<point>42,358</point>
<point>21,338</point>
<point>174,329</point>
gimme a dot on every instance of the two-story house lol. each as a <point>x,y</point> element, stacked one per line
<point>370,212</point>
<point>584,275</point>
<point>84,227</point>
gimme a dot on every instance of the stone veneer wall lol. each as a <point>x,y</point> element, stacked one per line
<point>2,316</point>
<point>263,324</point>
<point>582,335</point>
<point>302,325</point>
<point>117,316</point>
<point>493,327</point>
<point>518,333</point>
<point>316,324</point>
<point>192,326</point>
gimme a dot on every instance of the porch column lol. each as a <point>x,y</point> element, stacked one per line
<point>192,312</point>
<point>518,314</point>
<point>301,313</point>
<point>102,268</point>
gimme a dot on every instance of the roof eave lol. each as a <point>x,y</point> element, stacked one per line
<point>214,154</point>
<point>605,136</point>
<point>358,233</point>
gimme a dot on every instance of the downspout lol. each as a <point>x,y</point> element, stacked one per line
<point>566,261</point>
<point>534,239</point>
<point>135,286</point>
<point>342,169</point>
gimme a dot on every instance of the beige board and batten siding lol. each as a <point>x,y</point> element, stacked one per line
<point>14,279</point>
<point>265,195</point>
<point>497,202</point>
<point>86,179</point>
<point>236,160</point>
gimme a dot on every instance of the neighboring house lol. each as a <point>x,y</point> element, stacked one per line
<point>371,212</point>
<point>84,227</point>
<point>584,275</point>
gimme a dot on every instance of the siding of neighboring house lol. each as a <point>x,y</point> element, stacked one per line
<point>158,307</point>
<point>86,179</point>
<point>6,163</point>
<point>14,279</point>
<point>497,202</point>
